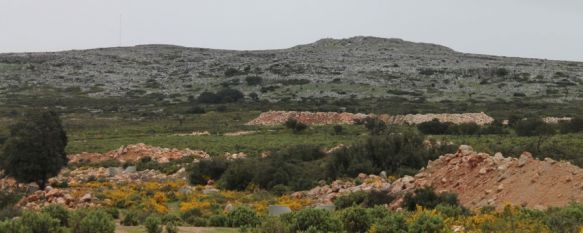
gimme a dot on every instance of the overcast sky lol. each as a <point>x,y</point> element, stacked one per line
<point>550,29</point>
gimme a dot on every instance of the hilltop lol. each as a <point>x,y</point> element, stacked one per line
<point>341,72</point>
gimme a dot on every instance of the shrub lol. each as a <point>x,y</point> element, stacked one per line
<point>188,214</point>
<point>393,223</point>
<point>274,225</point>
<point>13,226</point>
<point>41,222</point>
<point>532,127</point>
<point>338,129</point>
<point>239,175</point>
<point>253,80</point>
<point>427,223</point>
<point>242,216</point>
<point>131,218</point>
<point>451,210</point>
<point>171,227</point>
<point>197,221</point>
<point>200,172</point>
<point>434,127</point>
<point>501,72</point>
<point>397,154</point>
<point>374,125</point>
<point>196,110</point>
<point>58,212</point>
<point>355,219</point>
<point>427,198</point>
<point>566,219</point>
<point>317,219</point>
<point>218,221</point>
<point>575,125</point>
<point>112,211</point>
<point>153,225</point>
<point>364,199</point>
<point>295,125</point>
<point>96,221</point>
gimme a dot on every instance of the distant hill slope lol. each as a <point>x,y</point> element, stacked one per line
<point>353,68</point>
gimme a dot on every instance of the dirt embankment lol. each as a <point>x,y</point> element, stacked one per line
<point>135,152</point>
<point>325,118</point>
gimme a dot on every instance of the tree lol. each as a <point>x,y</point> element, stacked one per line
<point>35,150</point>
<point>295,125</point>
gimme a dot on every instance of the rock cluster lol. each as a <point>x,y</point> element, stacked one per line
<point>555,120</point>
<point>66,197</point>
<point>137,151</point>
<point>325,118</point>
<point>114,175</point>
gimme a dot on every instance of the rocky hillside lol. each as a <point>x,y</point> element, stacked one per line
<point>354,68</point>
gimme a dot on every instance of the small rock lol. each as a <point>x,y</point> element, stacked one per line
<point>465,150</point>
<point>85,198</point>
<point>524,158</point>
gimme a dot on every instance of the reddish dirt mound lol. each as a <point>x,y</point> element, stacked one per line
<point>137,151</point>
<point>480,179</point>
<point>324,118</point>
<point>311,118</point>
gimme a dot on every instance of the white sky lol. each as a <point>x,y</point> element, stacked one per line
<point>550,29</point>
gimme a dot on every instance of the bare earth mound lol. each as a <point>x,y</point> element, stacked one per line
<point>480,179</point>
<point>326,118</point>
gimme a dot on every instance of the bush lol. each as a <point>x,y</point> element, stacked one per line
<point>239,175</point>
<point>218,221</point>
<point>533,127</point>
<point>41,223</point>
<point>317,219</point>
<point>226,95</point>
<point>427,198</point>
<point>566,219</point>
<point>338,129</point>
<point>374,125</point>
<point>196,110</point>
<point>131,218</point>
<point>253,80</point>
<point>427,223</point>
<point>355,219</point>
<point>242,216</point>
<point>393,223</point>
<point>575,125</point>
<point>13,226</point>
<point>363,199</point>
<point>501,72</point>
<point>153,225</point>
<point>200,172</point>
<point>274,225</point>
<point>434,127</point>
<point>451,210</point>
<point>96,221</point>
<point>171,227</point>
<point>295,125</point>
<point>58,212</point>
<point>112,211</point>
<point>396,153</point>
<point>188,214</point>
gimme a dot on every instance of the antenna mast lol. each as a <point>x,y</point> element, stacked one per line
<point>120,30</point>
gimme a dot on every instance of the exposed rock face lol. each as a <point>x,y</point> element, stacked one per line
<point>555,120</point>
<point>137,151</point>
<point>325,118</point>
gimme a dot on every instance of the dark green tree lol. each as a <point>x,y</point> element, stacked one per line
<point>35,150</point>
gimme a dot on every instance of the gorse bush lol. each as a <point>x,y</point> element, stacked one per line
<point>41,222</point>
<point>392,223</point>
<point>355,219</point>
<point>317,219</point>
<point>427,222</point>
<point>96,221</point>
<point>171,227</point>
<point>58,212</point>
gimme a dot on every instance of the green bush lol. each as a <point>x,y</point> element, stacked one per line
<point>317,219</point>
<point>96,221</point>
<point>533,127</point>
<point>239,175</point>
<point>218,220</point>
<point>153,225</point>
<point>393,223</point>
<point>171,227</point>
<point>200,172</point>
<point>451,210</point>
<point>364,199</point>
<point>575,125</point>
<point>355,219</point>
<point>433,127</point>
<point>13,226</point>
<point>58,212</point>
<point>295,125</point>
<point>40,222</point>
<point>427,223</point>
<point>273,225</point>
<point>197,221</point>
<point>374,125</point>
<point>565,220</point>
<point>253,80</point>
<point>193,212</point>
<point>427,198</point>
<point>242,216</point>
<point>131,218</point>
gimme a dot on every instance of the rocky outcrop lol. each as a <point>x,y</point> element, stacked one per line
<point>326,118</point>
<point>136,152</point>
